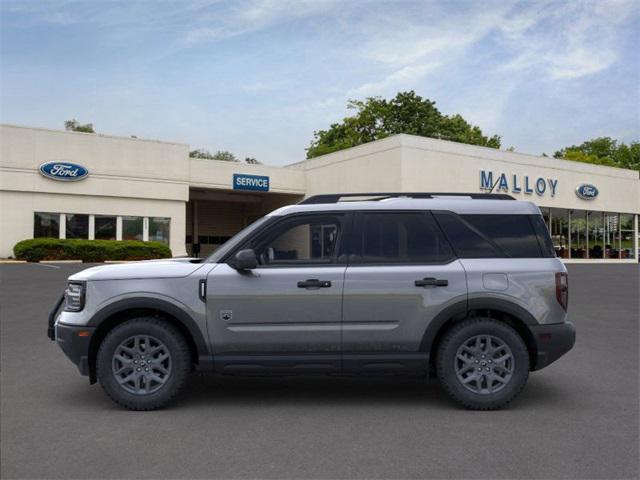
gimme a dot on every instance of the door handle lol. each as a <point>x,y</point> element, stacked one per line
<point>314,283</point>
<point>431,282</point>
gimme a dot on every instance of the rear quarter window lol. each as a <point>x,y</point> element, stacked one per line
<point>485,236</point>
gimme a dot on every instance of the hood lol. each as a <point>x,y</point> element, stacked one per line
<point>168,268</point>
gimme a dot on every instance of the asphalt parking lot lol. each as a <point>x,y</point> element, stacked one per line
<point>576,419</point>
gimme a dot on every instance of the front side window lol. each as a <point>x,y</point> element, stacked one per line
<point>399,237</point>
<point>46,225</point>
<point>132,228</point>
<point>77,226</point>
<point>303,240</point>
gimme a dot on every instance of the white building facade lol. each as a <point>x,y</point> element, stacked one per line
<point>77,185</point>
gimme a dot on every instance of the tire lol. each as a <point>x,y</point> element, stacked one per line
<point>137,381</point>
<point>460,355</point>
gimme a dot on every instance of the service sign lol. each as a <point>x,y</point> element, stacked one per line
<point>63,171</point>
<point>257,183</point>
<point>586,191</point>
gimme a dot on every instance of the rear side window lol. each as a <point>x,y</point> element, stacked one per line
<point>543,236</point>
<point>486,236</point>
<point>514,234</point>
<point>467,241</point>
<point>399,237</point>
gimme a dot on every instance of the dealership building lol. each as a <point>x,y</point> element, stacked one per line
<point>78,185</point>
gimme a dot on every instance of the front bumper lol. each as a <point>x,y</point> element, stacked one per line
<point>552,341</point>
<point>74,342</point>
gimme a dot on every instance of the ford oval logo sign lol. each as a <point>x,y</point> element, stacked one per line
<point>586,191</point>
<point>64,171</point>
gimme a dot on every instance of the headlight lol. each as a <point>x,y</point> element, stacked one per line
<point>74,297</point>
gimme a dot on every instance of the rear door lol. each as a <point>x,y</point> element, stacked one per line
<point>401,274</point>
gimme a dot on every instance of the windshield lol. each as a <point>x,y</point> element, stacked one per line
<point>238,238</point>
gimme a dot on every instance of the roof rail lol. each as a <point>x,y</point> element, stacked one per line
<point>337,197</point>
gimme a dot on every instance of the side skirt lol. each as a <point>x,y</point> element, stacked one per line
<point>367,363</point>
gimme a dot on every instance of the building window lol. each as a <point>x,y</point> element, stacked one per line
<point>105,227</point>
<point>560,232</point>
<point>611,235</point>
<point>77,226</point>
<point>46,225</point>
<point>132,228</point>
<point>578,234</point>
<point>596,235</point>
<point>159,229</point>
<point>626,236</point>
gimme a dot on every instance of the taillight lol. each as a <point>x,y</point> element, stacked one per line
<point>562,289</point>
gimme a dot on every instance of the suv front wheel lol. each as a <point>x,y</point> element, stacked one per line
<point>482,363</point>
<point>143,363</point>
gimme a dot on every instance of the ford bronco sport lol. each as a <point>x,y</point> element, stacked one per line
<point>464,286</point>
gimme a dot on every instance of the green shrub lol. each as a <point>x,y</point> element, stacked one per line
<point>36,249</point>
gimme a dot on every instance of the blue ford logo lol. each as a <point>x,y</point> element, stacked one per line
<point>64,171</point>
<point>586,191</point>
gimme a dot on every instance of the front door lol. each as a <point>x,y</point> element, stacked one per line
<point>285,314</point>
<point>401,274</point>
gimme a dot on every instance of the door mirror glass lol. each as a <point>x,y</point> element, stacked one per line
<point>245,260</point>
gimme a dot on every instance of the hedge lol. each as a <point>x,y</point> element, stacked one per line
<point>36,249</point>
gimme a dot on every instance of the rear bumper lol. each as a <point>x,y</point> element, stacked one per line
<point>552,341</point>
<point>74,342</point>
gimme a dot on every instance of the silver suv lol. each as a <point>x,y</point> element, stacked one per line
<point>466,287</point>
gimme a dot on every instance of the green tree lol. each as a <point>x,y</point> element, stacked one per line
<point>219,155</point>
<point>377,118</point>
<point>252,161</point>
<point>604,151</point>
<point>74,126</point>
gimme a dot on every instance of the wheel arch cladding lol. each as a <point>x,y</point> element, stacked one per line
<point>510,313</point>
<point>119,312</point>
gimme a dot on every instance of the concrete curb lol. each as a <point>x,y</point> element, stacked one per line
<point>7,260</point>
<point>60,261</point>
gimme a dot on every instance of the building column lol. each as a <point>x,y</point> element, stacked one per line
<point>569,232</point>
<point>145,229</point>
<point>586,234</point>
<point>635,237</point>
<point>118,227</point>
<point>63,225</point>
<point>194,226</point>
<point>92,227</point>
<point>619,236</point>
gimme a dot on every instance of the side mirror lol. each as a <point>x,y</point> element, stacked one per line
<point>245,260</point>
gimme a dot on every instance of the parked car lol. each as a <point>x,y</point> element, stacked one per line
<point>466,287</point>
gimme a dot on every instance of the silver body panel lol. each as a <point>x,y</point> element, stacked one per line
<point>264,311</point>
<point>385,312</point>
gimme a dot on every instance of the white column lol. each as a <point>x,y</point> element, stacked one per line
<point>569,232</point>
<point>635,237</point>
<point>118,228</point>
<point>619,221</point>
<point>586,238</point>
<point>145,229</point>
<point>92,227</point>
<point>63,225</point>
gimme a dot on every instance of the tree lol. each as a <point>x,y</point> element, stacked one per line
<point>219,155</point>
<point>604,151</point>
<point>377,118</point>
<point>252,161</point>
<point>75,126</point>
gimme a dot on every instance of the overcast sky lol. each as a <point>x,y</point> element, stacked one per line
<point>258,77</point>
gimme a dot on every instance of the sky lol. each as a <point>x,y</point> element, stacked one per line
<point>258,77</point>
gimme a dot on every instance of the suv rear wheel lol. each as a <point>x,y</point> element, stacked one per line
<point>482,363</point>
<point>143,363</point>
